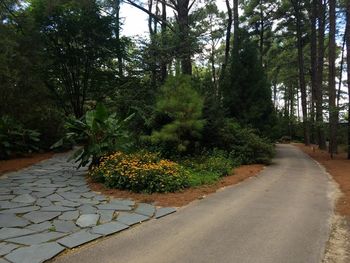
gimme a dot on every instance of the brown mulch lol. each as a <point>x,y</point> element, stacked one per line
<point>183,198</point>
<point>339,168</point>
<point>23,162</point>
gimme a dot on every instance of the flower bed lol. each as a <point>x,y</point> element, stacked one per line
<point>140,172</point>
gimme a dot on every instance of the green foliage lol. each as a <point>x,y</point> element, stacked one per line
<point>179,122</point>
<point>100,132</point>
<point>246,92</point>
<point>79,47</point>
<point>244,146</point>
<point>217,162</point>
<point>140,172</point>
<point>16,140</point>
<point>207,168</point>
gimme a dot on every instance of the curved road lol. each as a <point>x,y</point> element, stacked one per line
<point>281,216</point>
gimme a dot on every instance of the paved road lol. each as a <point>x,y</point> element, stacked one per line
<point>281,216</point>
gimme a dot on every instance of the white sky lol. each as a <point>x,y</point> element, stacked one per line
<point>135,20</point>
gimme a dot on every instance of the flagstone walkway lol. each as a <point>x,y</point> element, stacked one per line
<point>49,207</point>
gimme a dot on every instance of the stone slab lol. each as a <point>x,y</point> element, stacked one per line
<point>106,215</point>
<point>57,208</point>
<point>78,239</point>
<point>40,216</point>
<point>35,253</point>
<point>11,205</point>
<point>67,203</point>
<point>131,218</point>
<point>24,198</point>
<point>6,248</point>
<point>145,209</point>
<point>87,220</point>
<point>109,228</point>
<point>11,220</point>
<point>6,197</point>
<point>115,207</point>
<point>36,238</point>
<point>10,232</point>
<point>55,197</point>
<point>87,209</point>
<point>164,211</point>
<point>43,202</point>
<point>65,226</point>
<point>122,202</point>
<point>20,210</point>
<point>69,215</point>
<point>41,226</point>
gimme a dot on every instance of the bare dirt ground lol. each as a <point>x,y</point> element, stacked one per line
<point>338,247</point>
<point>183,198</point>
<point>16,164</point>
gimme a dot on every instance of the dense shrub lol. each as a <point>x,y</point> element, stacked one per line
<point>207,168</point>
<point>216,162</point>
<point>244,145</point>
<point>140,172</point>
<point>16,140</point>
<point>100,132</point>
<point>179,117</point>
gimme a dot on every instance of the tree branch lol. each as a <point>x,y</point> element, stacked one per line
<point>157,18</point>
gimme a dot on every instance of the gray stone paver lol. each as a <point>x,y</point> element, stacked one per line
<point>41,226</point>
<point>164,211</point>
<point>6,248</point>
<point>24,198</point>
<point>78,239</point>
<point>145,209</point>
<point>9,232</point>
<point>49,207</point>
<point>114,207</point>
<point>70,215</point>
<point>109,228</point>
<point>20,210</point>
<point>41,216</point>
<point>35,253</point>
<point>88,220</point>
<point>36,238</point>
<point>131,218</point>
<point>11,220</point>
<point>65,226</point>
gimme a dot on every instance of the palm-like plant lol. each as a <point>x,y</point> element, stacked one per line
<point>100,133</point>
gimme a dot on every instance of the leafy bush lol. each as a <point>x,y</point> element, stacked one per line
<point>100,132</point>
<point>244,146</point>
<point>179,111</point>
<point>16,140</point>
<point>140,172</point>
<point>209,167</point>
<point>215,162</point>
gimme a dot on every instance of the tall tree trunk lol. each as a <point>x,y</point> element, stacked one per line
<point>341,71</point>
<point>212,62</point>
<point>184,33</point>
<point>152,34</point>
<point>348,67</point>
<point>313,55</point>
<point>262,32</point>
<point>117,35</point>
<point>302,84</point>
<point>235,27</point>
<point>331,81</point>
<point>228,36</point>
<point>319,87</point>
<point>163,64</point>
